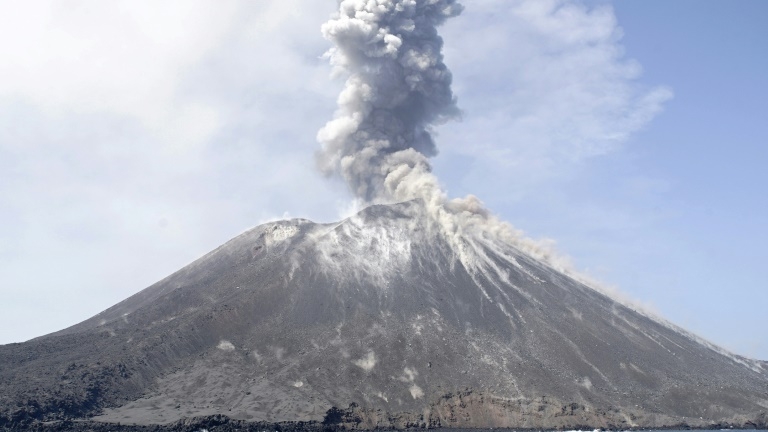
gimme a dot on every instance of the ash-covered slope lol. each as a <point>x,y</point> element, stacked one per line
<point>386,311</point>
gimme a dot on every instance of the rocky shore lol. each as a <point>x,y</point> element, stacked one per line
<point>355,418</point>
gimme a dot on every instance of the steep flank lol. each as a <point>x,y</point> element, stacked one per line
<point>389,311</point>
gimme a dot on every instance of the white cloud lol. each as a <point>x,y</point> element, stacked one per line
<point>136,136</point>
<point>131,130</point>
<point>121,57</point>
<point>544,85</point>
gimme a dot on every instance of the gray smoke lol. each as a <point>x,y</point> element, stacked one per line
<point>397,90</point>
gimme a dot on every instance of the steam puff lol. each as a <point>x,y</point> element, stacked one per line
<point>397,88</point>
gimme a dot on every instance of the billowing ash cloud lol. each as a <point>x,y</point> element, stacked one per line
<point>397,89</point>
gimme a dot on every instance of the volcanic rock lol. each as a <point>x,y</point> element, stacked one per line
<point>380,320</point>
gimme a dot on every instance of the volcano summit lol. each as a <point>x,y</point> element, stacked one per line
<point>388,315</point>
<point>419,311</point>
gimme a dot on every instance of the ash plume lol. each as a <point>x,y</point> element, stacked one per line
<point>397,90</point>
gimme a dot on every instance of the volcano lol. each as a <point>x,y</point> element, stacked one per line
<point>379,320</point>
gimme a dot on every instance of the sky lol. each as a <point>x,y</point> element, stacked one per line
<point>136,136</point>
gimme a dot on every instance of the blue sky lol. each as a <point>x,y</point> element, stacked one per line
<point>694,248</point>
<point>135,137</point>
<point>709,147</point>
<point>675,215</point>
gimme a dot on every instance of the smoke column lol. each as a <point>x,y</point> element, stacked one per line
<point>397,90</point>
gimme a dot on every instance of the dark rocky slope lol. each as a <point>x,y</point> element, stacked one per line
<point>386,310</point>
